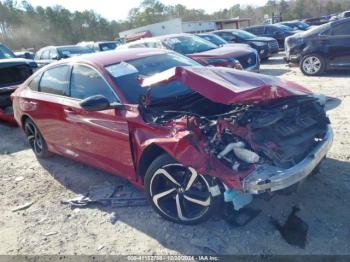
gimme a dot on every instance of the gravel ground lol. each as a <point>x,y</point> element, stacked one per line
<point>49,227</point>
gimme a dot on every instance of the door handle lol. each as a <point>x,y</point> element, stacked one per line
<point>69,110</point>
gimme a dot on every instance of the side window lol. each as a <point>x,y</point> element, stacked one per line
<point>86,82</point>
<point>45,54</point>
<point>342,29</point>
<point>34,84</point>
<point>55,81</point>
<point>53,53</point>
<point>260,30</point>
<point>270,30</point>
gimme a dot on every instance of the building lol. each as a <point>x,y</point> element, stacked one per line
<point>176,25</point>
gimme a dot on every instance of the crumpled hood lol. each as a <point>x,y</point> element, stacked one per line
<point>225,52</point>
<point>229,86</point>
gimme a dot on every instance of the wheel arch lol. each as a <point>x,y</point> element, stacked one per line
<point>150,153</point>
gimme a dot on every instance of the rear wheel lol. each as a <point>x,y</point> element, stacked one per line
<point>179,193</point>
<point>312,65</point>
<point>36,140</point>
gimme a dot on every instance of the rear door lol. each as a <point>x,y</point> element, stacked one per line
<point>338,45</point>
<point>44,104</point>
<point>100,138</point>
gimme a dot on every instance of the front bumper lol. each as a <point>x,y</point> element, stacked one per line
<point>267,178</point>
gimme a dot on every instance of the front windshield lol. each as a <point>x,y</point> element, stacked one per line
<point>284,27</point>
<point>244,34</point>
<point>217,40</point>
<point>302,25</point>
<point>74,51</point>
<point>317,30</point>
<point>127,76</point>
<point>188,44</point>
<point>6,53</point>
<point>108,46</point>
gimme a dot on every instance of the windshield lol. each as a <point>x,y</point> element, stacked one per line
<point>188,44</point>
<point>6,53</point>
<point>217,40</point>
<point>317,30</point>
<point>244,34</point>
<point>74,51</point>
<point>127,76</point>
<point>108,46</point>
<point>284,27</point>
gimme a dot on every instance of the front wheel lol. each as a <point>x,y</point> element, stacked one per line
<point>312,65</point>
<point>179,193</point>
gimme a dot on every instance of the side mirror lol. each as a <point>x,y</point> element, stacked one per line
<point>55,57</point>
<point>98,103</point>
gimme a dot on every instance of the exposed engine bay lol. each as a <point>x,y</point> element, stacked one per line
<point>280,133</point>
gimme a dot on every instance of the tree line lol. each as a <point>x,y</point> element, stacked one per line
<point>25,26</point>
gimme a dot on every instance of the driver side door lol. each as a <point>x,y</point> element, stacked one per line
<point>99,138</point>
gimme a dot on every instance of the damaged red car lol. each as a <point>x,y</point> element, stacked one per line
<point>191,136</point>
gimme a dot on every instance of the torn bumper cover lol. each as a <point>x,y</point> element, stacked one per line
<point>270,178</point>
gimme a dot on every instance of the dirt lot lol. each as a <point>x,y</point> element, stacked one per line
<point>49,227</point>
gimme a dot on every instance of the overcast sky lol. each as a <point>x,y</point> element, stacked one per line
<point>118,10</point>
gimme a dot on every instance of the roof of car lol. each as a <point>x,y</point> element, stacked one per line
<point>102,59</point>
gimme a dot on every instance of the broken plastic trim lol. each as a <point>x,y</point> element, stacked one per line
<point>271,178</point>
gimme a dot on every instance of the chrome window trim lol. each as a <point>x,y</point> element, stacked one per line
<point>69,79</point>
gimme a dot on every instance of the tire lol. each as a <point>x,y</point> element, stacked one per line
<point>5,101</point>
<point>312,65</point>
<point>171,189</point>
<point>36,140</point>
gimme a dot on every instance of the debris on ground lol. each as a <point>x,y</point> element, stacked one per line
<point>107,194</point>
<point>294,231</point>
<point>100,247</point>
<point>23,207</point>
<point>113,217</point>
<point>50,233</point>
<point>19,178</point>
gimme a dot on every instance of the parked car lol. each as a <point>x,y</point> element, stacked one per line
<point>345,14</point>
<point>322,48</point>
<point>246,55</point>
<point>194,47</point>
<point>25,54</point>
<point>317,20</point>
<point>185,133</point>
<point>296,25</point>
<point>49,54</point>
<point>265,46</point>
<point>100,46</point>
<point>276,31</point>
<point>13,71</point>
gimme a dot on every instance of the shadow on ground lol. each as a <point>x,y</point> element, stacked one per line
<point>14,141</point>
<point>316,197</point>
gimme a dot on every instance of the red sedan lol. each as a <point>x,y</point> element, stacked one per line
<point>191,136</point>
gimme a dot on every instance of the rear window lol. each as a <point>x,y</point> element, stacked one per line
<point>129,81</point>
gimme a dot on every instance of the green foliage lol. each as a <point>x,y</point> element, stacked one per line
<point>23,26</point>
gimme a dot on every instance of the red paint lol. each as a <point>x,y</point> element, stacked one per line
<point>114,140</point>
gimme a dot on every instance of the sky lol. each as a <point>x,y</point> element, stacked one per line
<point>118,9</point>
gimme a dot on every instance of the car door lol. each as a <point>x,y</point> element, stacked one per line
<point>44,104</point>
<point>338,44</point>
<point>99,138</point>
